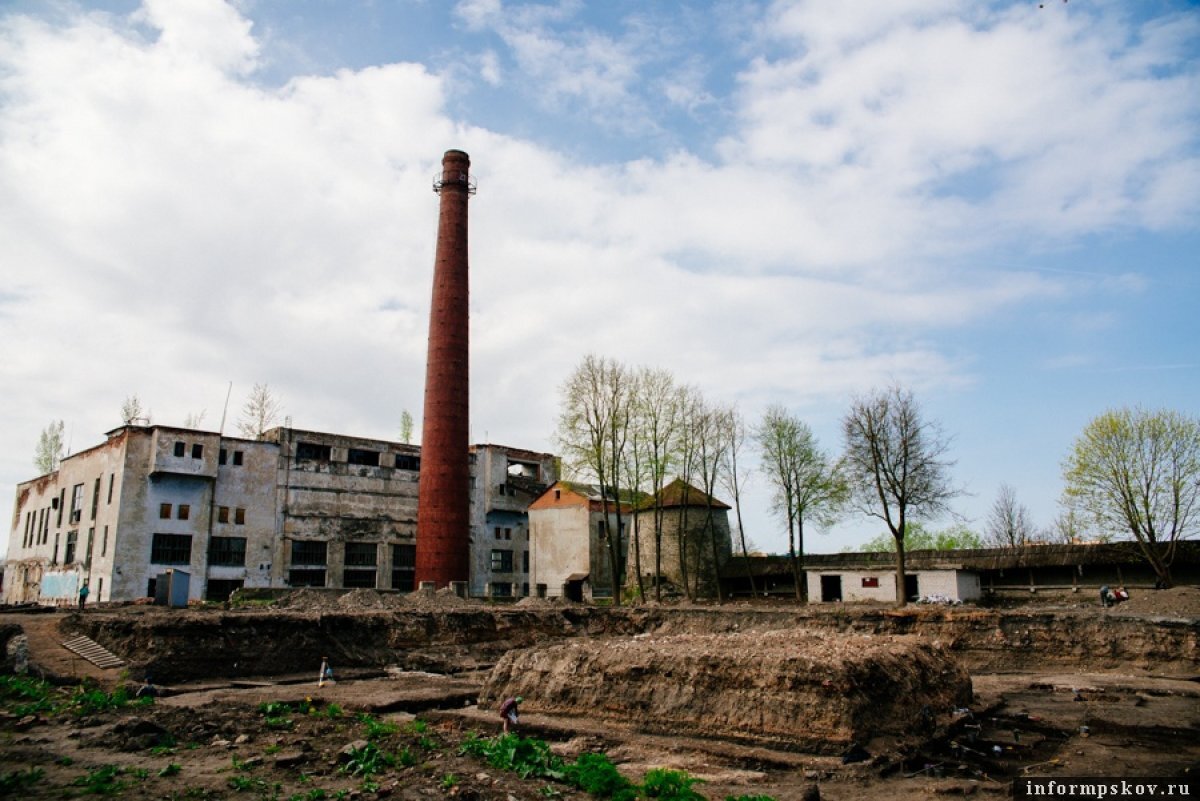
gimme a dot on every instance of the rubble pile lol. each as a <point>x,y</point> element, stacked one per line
<point>817,692</point>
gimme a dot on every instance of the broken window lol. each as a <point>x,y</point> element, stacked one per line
<point>197,450</point>
<point>404,567</point>
<point>406,462</point>
<point>306,578</point>
<point>227,551</point>
<point>87,554</point>
<point>171,549</point>
<point>95,498</point>
<point>76,503</point>
<point>361,554</point>
<point>62,500</point>
<point>221,589</point>
<point>179,448</point>
<point>363,457</point>
<point>111,478</point>
<point>525,564</point>
<point>104,542</point>
<point>502,561</point>
<point>357,577</point>
<point>223,514</point>
<point>312,452</point>
<point>237,458</point>
<point>164,511</point>
<point>239,516</point>
<point>185,510</point>
<point>309,552</point>
<point>222,456</point>
<point>501,589</point>
<point>69,556</point>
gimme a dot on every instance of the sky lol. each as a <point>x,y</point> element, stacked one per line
<point>993,204</point>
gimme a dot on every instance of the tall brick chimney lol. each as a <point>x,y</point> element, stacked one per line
<point>443,502</point>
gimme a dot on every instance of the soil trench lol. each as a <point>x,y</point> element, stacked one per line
<point>756,701</point>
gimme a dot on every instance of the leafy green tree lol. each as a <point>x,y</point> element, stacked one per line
<point>806,483</point>
<point>896,466</point>
<point>918,538</point>
<point>406,427</point>
<point>1139,471</point>
<point>49,448</point>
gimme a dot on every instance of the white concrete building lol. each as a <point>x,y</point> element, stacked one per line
<point>292,508</point>
<point>832,585</point>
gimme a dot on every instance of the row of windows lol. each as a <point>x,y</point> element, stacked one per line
<point>184,511</point>
<point>198,453</point>
<point>37,522</point>
<point>313,553</point>
<point>315,452</point>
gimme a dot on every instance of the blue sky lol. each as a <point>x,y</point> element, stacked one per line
<point>994,204</point>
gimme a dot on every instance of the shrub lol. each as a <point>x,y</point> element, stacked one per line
<point>670,785</point>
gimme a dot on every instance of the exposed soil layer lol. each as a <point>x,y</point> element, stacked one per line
<point>178,645</point>
<point>1062,690</point>
<point>817,692</point>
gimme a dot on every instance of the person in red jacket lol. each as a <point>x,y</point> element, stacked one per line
<point>508,712</point>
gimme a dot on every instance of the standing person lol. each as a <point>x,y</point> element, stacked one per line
<point>508,712</point>
<point>326,675</point>
<point>83,594</point>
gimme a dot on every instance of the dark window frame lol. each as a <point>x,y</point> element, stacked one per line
<point>171,549</point>
<point>227,551</point>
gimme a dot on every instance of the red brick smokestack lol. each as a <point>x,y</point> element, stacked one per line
<point>443,503</point>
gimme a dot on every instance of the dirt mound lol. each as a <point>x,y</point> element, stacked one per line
<point>444,598</point>
<point>306,600</point>
<point>809,691</point>
<point>1181,602</point>
<point>361,599</point>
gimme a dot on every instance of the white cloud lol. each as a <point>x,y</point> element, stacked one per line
<point>171,225</point>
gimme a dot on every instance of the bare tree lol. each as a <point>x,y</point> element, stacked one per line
<point>593,430</point>
<point>895,463</point>
<point>808,485</point>
<point>711,434</point>
<point>49,450</point>
<point>1139,471</point>
<point>1009,524</point>
<point>656,410</point>
<point>406,427</point>
<point>194,419</point>
<point>132,412</point>
<point>686,456</point>
<point>734,474</point>
<point>260,410</point>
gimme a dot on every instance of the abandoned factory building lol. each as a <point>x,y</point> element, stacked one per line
<point>290,509</point>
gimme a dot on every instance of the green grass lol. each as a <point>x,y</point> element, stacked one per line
<point>366,761</point>
<point>13,782</point>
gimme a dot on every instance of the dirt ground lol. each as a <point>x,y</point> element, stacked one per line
<point>1063,708</point>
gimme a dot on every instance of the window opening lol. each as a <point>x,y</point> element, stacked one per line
<point>171,549</point>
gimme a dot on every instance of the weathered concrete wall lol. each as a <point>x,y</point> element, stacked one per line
<point>559,545</point>
<point>504,482</point>
<point>959,585</point>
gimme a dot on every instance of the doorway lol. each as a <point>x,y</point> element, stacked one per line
<point>831,589</point>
